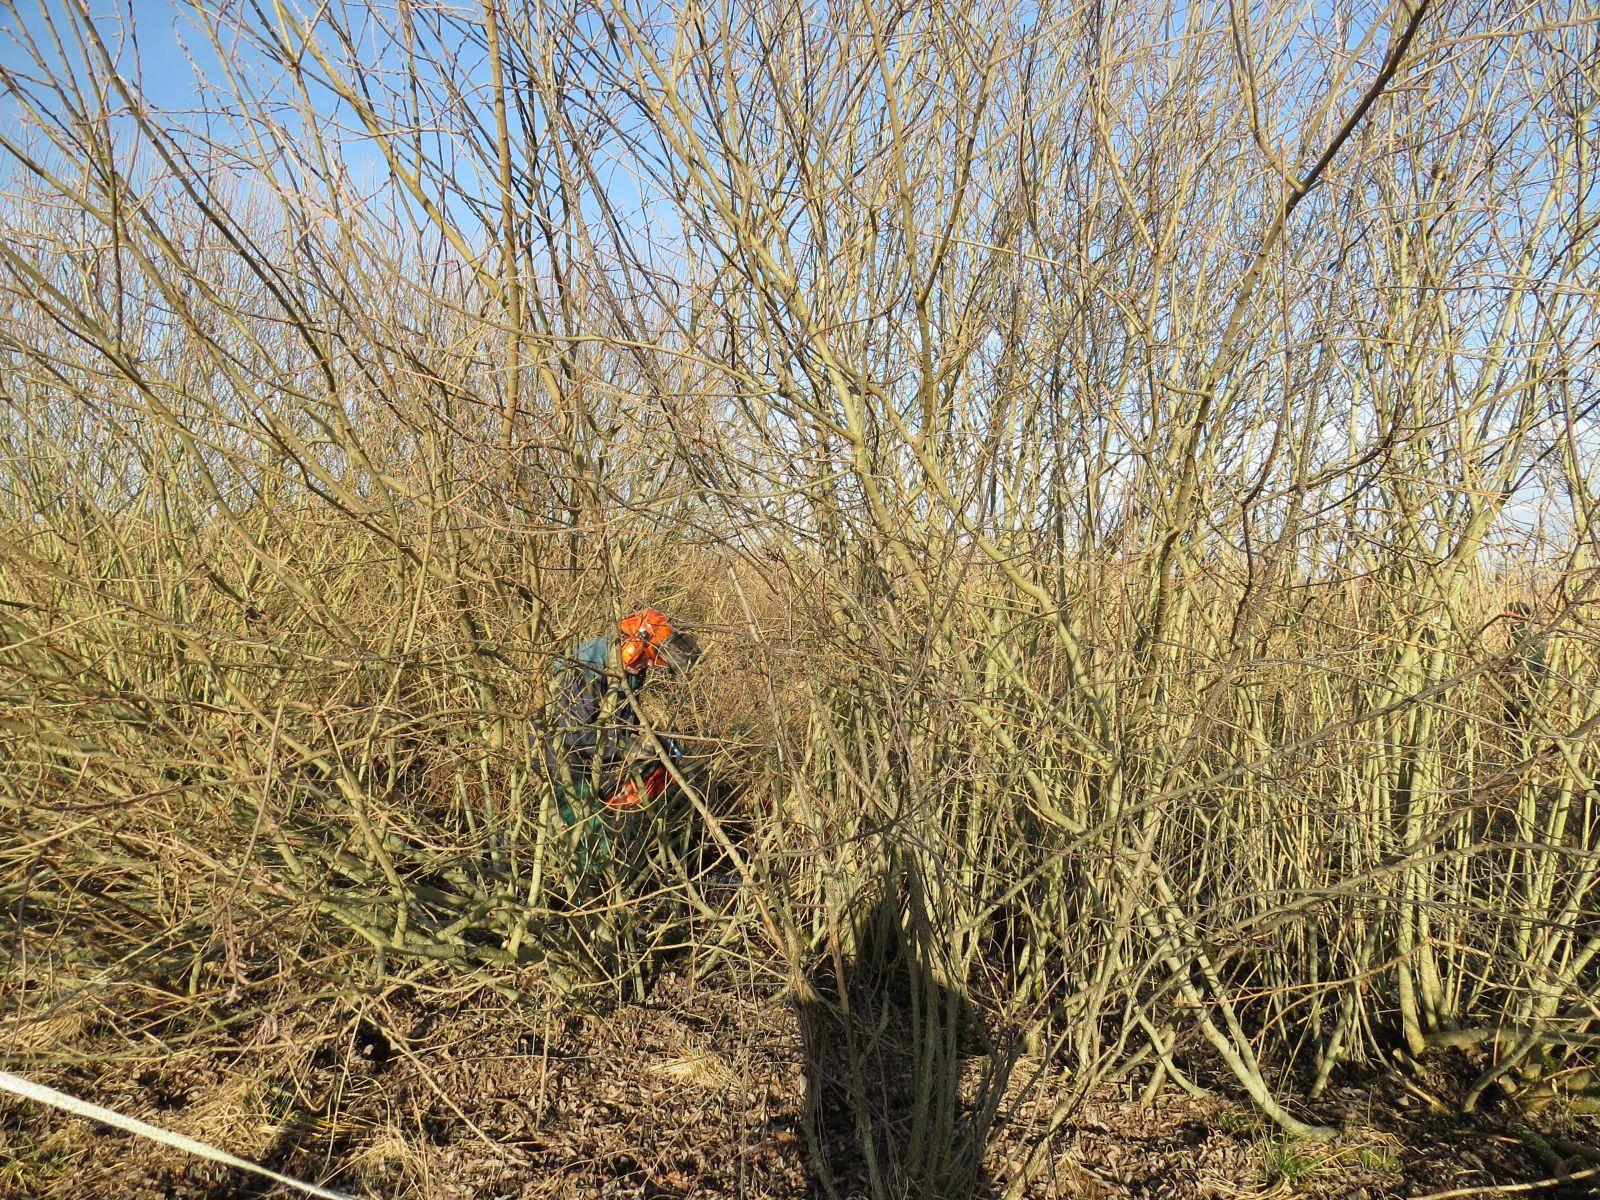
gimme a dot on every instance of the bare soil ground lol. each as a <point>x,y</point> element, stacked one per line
<point>697,1093</point>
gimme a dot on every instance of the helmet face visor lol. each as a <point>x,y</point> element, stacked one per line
<point>679,653</point>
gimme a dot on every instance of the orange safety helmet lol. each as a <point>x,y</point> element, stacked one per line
<point>644,636</point>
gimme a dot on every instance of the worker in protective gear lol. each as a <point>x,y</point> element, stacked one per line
<point>597,749</point>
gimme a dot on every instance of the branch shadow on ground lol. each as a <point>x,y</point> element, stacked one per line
<point>892,1110</point>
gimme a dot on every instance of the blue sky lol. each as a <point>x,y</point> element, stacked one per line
<point>168,57</point>
<point>160,43</point>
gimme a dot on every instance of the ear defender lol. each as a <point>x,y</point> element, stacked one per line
<point>633,649</point>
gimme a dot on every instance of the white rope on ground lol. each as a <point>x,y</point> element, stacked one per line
<point>29,1090</point>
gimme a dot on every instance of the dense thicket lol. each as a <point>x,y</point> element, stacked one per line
<point>1098,443</point>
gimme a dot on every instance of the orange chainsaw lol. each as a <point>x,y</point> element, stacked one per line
<point>635,793</point>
